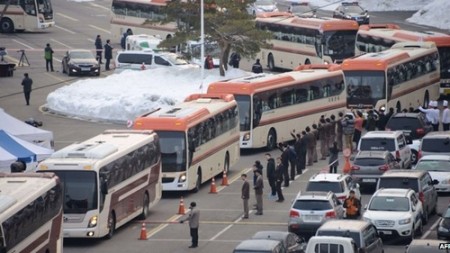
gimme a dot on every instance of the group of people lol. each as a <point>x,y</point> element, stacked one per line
<point>434,117</point>
<point>99,51</point>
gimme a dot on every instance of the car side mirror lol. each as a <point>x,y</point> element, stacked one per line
<point>435,182</point>
<point>413,208</point>
<point>104,187</point>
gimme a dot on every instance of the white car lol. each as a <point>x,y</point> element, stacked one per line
<point>395,213</point>
<point>260,6</point>
<point>338,183</point>
<point>438,166</point>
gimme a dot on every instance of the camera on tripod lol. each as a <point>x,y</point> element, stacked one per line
<point>21,51</point>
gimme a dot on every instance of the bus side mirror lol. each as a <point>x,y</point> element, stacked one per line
<point>104,187</point>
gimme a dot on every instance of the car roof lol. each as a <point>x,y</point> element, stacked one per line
<point>344,225</point>
<point>435,157</point>
<point>406,115</point>
<point>271,235</point>
<point>313,195</point>
<point>403,173</point>
<point>332,177</point>
<point>425,245</point>
<point>257,244</point>
<point>382,134</point>
<point>372,154</point>
<point>440,134</point>
<point>397,192</point>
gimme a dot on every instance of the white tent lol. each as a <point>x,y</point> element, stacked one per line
<point>24,131</point>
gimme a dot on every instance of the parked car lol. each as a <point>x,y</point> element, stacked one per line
<point>260,6</point>
<point>443,227</point>
<point>419,181</point>
<point>395,213</point>
<point>80,62</point>
<point>141,60</point>
<point>439,168</point>
<point>352,11</point>
<point>291,242</point>
<point>435,143</point>
<point>310,210</point>
<point>331,244</point>
<point>259,246</point>
<point>368,166</point>
<point>339,184</point>
<point>363,233</point>
<point>392,141</point>
<point>424,246</point>
<point>302,9</point>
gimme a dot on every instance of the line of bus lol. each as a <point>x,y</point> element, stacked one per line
<point>108,180</point>
<point>379,37</point>
<point>271,106</point>
<point>25,15</point>
<point>401,77</point>
<point>199,139</point>
<point>31,213</point>
<point>297,41</point>
<point>141,16</point>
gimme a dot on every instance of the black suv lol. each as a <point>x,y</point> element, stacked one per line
<point>352,11</point>
<point>412,124</point>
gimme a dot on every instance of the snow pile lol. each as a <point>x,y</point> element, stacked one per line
<point>433,14</point>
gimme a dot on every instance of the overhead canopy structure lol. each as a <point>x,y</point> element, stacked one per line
<point>15,149</point>
<point>24,131</point>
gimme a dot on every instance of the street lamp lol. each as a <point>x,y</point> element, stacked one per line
<point>202,44</point>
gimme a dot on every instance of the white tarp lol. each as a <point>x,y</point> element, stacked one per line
<point>24,131</point>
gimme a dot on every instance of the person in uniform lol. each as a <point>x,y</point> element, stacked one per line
<point>315,131</point>
<point>310,143</point>
<point>339,132</point>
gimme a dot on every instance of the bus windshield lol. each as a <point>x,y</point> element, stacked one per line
<point>444,55</point>
<point>339,44</point>
<point>173,151</point>
<point>365,87</point>
<point>243,102</point>
<point>80,190</point>
<point>44,6</point>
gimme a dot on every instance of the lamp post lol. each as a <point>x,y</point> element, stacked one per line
<point>202,44</point>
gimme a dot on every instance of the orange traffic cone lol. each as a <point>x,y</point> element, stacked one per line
<point>225,178</point>
<point>143,232</point>
<point>213,186</point>
<point>181,207</point>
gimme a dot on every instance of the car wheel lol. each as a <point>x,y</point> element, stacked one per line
<point>420,229</point>
<point>425,217</point>
<point>145,209</point>
<point>6,25</point>
<point>411,237</point>
<point>271,139</point>
<point>111,226</point>
<point>63,69</point>
<point>69,73</point>
<point>271,62</point>
<point>198,182</point>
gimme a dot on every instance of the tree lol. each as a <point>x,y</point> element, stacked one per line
<point>226,23</point>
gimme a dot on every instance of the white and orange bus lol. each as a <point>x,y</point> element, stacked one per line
<point>31,213</point>
<point>142,17</point>
<point>297,41</point>
<point>400,77</point>
<point>199,139</point>
<point>379,37</point>
<point>271,106</point>
<point>26,15</point>
<point>108,180</point>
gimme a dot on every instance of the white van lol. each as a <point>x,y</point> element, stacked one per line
<point>331,244</point>
<point>142,60</point>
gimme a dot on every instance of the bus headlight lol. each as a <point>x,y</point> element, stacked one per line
<point>41,20</point>
<point>92,221</point>
<point>246,137</point>
<point>182,178</point>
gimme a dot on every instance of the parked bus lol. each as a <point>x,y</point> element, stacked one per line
<point>379,37</point>
<point>271,106</point>
<point>297,41</point>
<point>141,16</point>
<point>108,180</point>
<point>199,139</point>
<point>26,15</point>
<point>401,77</point>
<point>31,213</point>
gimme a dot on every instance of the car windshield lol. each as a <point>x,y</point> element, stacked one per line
<point>173,151</point>
<point>433,165</point>
<point>395,204</point>
<point>354,235</point>
<point>82,55</point>
<point>176,59</point>
<point>243,102</point>
<point>369,161</point>
<point>354,9</point>
<point>398,182</point>
<point>365,88</point>
<point>438,145</point>
<point>316,205</point>
<point>444,55</point>
<point>325,186</point>
<point>377,144</point>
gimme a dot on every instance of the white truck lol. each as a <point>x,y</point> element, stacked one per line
<point>330,244</point>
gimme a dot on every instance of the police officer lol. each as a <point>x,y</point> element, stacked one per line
<point>315,131</point>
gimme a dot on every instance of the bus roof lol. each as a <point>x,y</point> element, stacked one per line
<point>261,82</point>
<point>149,2</point>
<point>180,117</point>
<point>323,24</point>
<point>394,32</point>
<point>17,189</point>
<point>400,52</point>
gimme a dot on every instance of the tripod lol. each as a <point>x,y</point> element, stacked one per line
<point>23,58</point>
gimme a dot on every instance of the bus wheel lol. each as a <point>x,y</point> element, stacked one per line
<point>271,139</point>
<point>145,210</point>
<point>198,182</point>
<point>226,164</point>
<point>307,62</point>
<point>270,62</point>
<point>6,25</point>
<point>398,107</point>
<point>111,225</point>
<point>426,99</point>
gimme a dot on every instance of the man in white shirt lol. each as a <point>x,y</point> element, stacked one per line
<point>427,112</point>
<point>446,116</point>
<point>432,114</point>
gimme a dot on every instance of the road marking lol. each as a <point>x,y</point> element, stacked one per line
<point>221,232</point>
<point>91,40</point>
<point>29,47</point>
<point>61,43</point>
<point>64,29</point>
<point>65,16</point>
<point>101,29</point>
<point>432,228</point>
<point>188,240</point>
<point>162,226</point>
<point>99,6</point>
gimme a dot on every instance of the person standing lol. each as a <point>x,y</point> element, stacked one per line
<point>279,179</point>
<point>285,161</point>
<point>48,55</point>
<point>333,161</point>
<point>304,148</point>
<point>271,174</point>
<point>245,195</point>
<point>99,48</point>
<point>348,128</point>
<point>108,54</point>
<point>436,116</point>
<point>298,150</point>
<point>27,82</point>
<point>332,130</point>
<point>310,142</point>
<point>445,116</point>
<point>339,132</point>
<point>256,166</point>
<point>259,186</point>
<point>235,58</point>
<point>352,206</point>
<point>359,122</point>
<point>194,221</point>
<point>429,112</point>
<point>322,138</point>
<point>315,131</point>
<point>209,63</point>
<point>257,67</point>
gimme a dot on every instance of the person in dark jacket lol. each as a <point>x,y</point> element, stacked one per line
<point>285,161</point>
<point>258,187</point>
<point>235,58</point>
<point>279,179</point>
<point>257,166</point>
<point>209,63</point>
<point>99,49</point>
<point>271,173</point>
<point>245,195</point>
<point>123,40</point>
<point>257,67</point>
<point>333,160</point>
<point>304,148</point>
<point>108,54</point>
<point>27,82</point>
<point>298,150</point>
<point>48,55</point>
